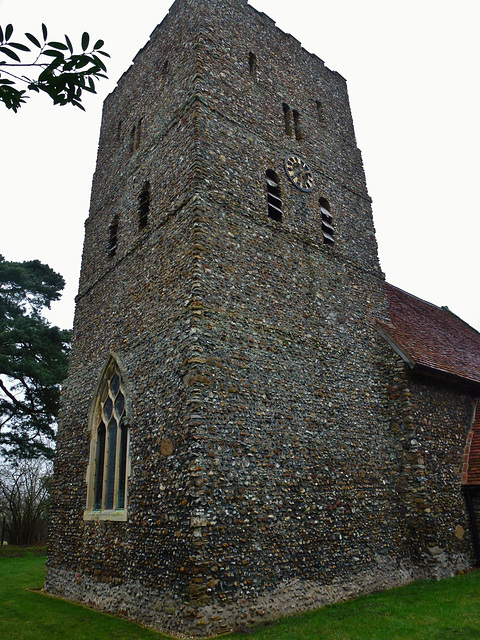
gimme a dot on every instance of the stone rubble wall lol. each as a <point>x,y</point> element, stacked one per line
<point>280,457</point>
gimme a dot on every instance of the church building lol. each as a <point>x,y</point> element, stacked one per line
<point>254,422</point>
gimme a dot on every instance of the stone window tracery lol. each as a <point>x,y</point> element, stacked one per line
<point>108,469</point>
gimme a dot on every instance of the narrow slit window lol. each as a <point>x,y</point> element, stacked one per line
<point>327,222</point>
<point>252,61</point>
<point>319,110</point>
<point>288,118</point>
<point>133,137</point>
<point>144,205</point>
<point>274,199</point>
<point>138,134</point>
<point>113,237</point>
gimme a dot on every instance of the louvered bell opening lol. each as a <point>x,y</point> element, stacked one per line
<point>272,183</point>
<point>274,201</point>
<point>327,238</point>
<point>326,215</point>
<point>326,227</point>
<point>273,211</point>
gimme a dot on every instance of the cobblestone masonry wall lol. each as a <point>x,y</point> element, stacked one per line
<point>248,347</point>
<point>432,420</point>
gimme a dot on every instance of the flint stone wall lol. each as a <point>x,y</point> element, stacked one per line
<point>268,469</point>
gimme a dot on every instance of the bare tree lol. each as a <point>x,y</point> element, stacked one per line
<point>24,501</point>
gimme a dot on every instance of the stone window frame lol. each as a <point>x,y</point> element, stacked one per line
<point>292,122</point>
<point>113,470</point>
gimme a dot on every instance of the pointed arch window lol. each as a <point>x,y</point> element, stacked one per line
<point>274,199</point>
<point>109,460</point>
<point>136,136</point>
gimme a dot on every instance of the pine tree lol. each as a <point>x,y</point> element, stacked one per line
<point>33,359</point>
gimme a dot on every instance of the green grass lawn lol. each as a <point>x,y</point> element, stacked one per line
<point>445,610</point>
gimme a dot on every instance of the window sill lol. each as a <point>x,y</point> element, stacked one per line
<point>89,515</point>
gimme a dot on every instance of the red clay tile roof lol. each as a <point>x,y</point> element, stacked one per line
<point>432,337</point>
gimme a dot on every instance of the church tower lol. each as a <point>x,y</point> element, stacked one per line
<point>224,424</point>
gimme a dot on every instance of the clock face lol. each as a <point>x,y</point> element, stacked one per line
<point>299,173</point>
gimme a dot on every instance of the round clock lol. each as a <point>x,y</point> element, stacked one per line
<point>299,173</point>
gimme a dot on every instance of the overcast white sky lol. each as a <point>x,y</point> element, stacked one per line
<point>412,68</point>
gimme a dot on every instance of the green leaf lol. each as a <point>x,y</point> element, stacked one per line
<point>82,62</point>
<point>8,32</point>
<point>53,54</point>
<point>69,44</point>
<point>17,45</point>
<point>1,34</point>
<point>85,40</point>
<point>98,45</point>
<point>58,45</point>
<point>10,54</point>
<point>33,40</point>
<point>45,32</point>
<point>99,63</point>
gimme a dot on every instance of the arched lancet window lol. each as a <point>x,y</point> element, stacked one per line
<point>252,63</point>
<point>274,199</point>
<point>144,205</point>
<point>327,222</point>
<point>113,237</point>
<point>136,136</point>
<point>108,470</point>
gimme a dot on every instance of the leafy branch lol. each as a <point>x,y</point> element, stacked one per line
<point>62,74</point>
